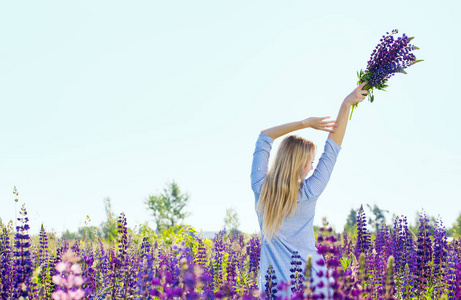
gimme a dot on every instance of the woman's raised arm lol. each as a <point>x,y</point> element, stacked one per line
<point>319,123</point>
<point>356,96</point>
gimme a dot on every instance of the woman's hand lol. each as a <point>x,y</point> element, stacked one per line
<point>320,123</point>
<point>357,95</point>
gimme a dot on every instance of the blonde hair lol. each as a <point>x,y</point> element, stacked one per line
<point>280,189</point>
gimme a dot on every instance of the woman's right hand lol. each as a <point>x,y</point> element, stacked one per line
<point>357,95</point>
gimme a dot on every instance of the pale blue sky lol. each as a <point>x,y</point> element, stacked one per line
<point>113,99</point>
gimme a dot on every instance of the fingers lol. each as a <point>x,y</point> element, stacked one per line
<point>362,85</point>
<point>329,129</point>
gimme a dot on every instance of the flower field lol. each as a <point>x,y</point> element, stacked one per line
<point>178,264</point>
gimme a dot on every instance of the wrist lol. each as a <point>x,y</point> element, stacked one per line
<point>305,123</point>
<point>346,104</point>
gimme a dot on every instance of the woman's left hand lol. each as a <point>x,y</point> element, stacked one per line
<point>320,123</point>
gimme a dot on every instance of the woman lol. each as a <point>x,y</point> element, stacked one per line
<point>284,200</point>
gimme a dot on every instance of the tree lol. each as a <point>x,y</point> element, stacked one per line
<point>167,207</point>
<point>351,221</point>
<point>379,219</point>
<point>231,220</point>
<point>455,231</point>
<point>109,227</point>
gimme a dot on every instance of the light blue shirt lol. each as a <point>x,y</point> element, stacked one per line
<point>297,232</point>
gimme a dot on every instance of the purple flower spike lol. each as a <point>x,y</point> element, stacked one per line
<point>389,57</point>
<point>23,263</point>
<point>363,235</point>
<point>424,253</point>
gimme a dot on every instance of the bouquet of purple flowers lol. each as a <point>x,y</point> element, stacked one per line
<point>389,57</point>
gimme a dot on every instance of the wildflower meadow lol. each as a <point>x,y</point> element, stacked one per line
<point>179,264</point>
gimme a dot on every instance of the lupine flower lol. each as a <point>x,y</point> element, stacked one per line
<point>457,283</point>
<point>424,255</point>
<point>89,274</point>
<point>383,243</point>
<point>450,275</point>
<point>363,235</point>
<point>389,57</point>
<point>255,253</point>
<point>145,276</point>
<point>296,273</point>
<point>231,269</point>
<point>201,254</point>
<point>68,279</point>
<point>271,284</point>
<point>23,263</point>
<point>43,248</point>
<point>7,270</point>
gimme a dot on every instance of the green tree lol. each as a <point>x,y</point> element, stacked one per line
<point>455,231</point>
<point>231,220</point>
<point>351,221</point>
<point>379,218</point>
<point>109,227</point>
<point>167,207</point>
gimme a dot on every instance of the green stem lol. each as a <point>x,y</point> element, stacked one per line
<point>353,107</point>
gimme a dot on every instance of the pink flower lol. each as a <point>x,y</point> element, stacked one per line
<point>76,269</point>
<point>59,280</point>
<point>61,267</point>
<point>76,295</point>
<point>60,295</point>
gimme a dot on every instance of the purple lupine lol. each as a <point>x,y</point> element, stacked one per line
<point>457,290</point>
<point>296,275</point>
<point>389,284</point>
<point>200,259</point>
<point>440,248</point>
<point>122,256</point>
<point>403,247</point>
<point>44,263</point>
<point>363,235</point>
<point>423,255</point>
<point>388,58</point>
<point>231,269</point>
<point>122,237</point>
<point>440,251</point>
<point>327,249</point>
<point>191,279</point>
<point>271,284</point>
<point>383,242</point>
<point>7,270</point>
<point>146,247</point>
<point>76,247</point>
<point>398,243</point>
<point>114,271</point>
<point>408,289</point>
<point>102,272</point>
<point>217,268</point>
<point>450,274</point>
<point>23,263</point>
<point>254,251</point>
<point>43,246</point>
<point>89,274</point>
<point>145,276</point>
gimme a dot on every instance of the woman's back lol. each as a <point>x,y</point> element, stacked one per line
<point>296,232</point>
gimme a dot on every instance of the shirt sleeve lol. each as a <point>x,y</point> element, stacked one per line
<point>315,184</point>
<point>259,166</point>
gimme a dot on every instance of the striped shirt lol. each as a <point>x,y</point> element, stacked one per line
<point>297,232</point>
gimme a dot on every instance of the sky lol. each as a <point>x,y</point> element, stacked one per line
<point>116,99</point>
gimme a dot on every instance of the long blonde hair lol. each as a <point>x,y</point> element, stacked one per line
<point>280,189</point>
